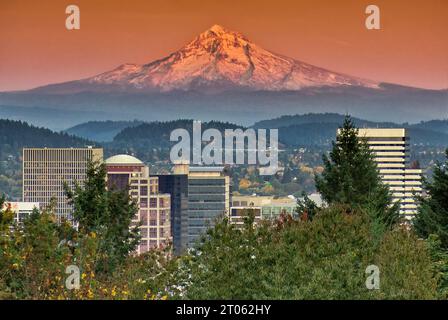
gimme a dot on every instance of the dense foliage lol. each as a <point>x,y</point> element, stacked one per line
<point>432,216</point>
<point>36,256</point>
<point>325,258</point>
<point>107,213</point>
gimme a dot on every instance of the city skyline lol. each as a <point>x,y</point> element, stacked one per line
<point>248,151</point>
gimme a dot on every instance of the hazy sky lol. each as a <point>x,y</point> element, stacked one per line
<point>411,48</point>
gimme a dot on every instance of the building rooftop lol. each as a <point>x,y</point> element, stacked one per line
<point>206,169</point>
<point>383,132</point>
<point>123,159</point>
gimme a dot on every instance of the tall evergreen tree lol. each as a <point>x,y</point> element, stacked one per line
<point>432,217</point>
<point>107,214</point>
<point>350,176</point>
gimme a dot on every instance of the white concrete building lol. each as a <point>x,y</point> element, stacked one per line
<point>391,150</point>
<point>21,209</point>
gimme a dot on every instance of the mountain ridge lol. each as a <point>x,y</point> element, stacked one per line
<point>295,130</point>
<point>217,59</point>
<point>223,75</point>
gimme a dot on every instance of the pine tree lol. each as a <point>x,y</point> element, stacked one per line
<point>350,177</point>
<point>105,213</point>
<point>306,208</point>
<point>432,217</point>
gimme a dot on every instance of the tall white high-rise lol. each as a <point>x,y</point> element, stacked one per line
<point>46,169</point>
<point>391,149</point>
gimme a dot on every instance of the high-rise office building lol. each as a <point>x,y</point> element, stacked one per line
<point>208,199</point>
<point>46,169</point>
<point>154,213</point>
<point>177,186</point>
<point>128,173</point>
<point>391,150</point>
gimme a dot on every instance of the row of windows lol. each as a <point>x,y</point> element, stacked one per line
<point>206,182</point>
<point>146,245</point>
<point>146,232</point>
<point>387,139</point>
<point>206,206</point>
<point>45,155</point>
<point>152,202</point>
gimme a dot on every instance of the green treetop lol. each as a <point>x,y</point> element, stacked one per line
<point>350,176</point>
<point>432,217</point>
<point>105,213</point>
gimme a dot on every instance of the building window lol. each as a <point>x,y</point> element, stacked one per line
<point>153,232</point>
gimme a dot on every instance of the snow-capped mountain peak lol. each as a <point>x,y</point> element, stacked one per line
<point>221,59</point>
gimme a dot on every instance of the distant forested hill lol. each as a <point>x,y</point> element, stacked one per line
<point>320,129</point>
<point>433,125</point>
<point>157,134</point>
<point>101,131</point>
<point>14,135</point>
<point>313,118</point>
<point>296,130</point>
<point>311,129</point>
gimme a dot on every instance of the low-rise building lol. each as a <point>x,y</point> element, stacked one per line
<point>263,207</point>
<point>21,210</point>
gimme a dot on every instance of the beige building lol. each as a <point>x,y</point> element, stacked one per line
<point>391,150</point>
<point>264,207</point>
<point>154,208</point>
<point>21,209</point>
<point>46,169</point>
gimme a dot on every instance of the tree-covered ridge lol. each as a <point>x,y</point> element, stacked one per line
<point>102,131</point>
<point>434,125</point>
<point>314,129</point>
<point>15,135</point>
<point>161,128</point>
<point>298,119</point>
<point>328,117</point>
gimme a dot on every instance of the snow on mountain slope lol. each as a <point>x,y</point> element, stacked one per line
<point>222,59</point>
